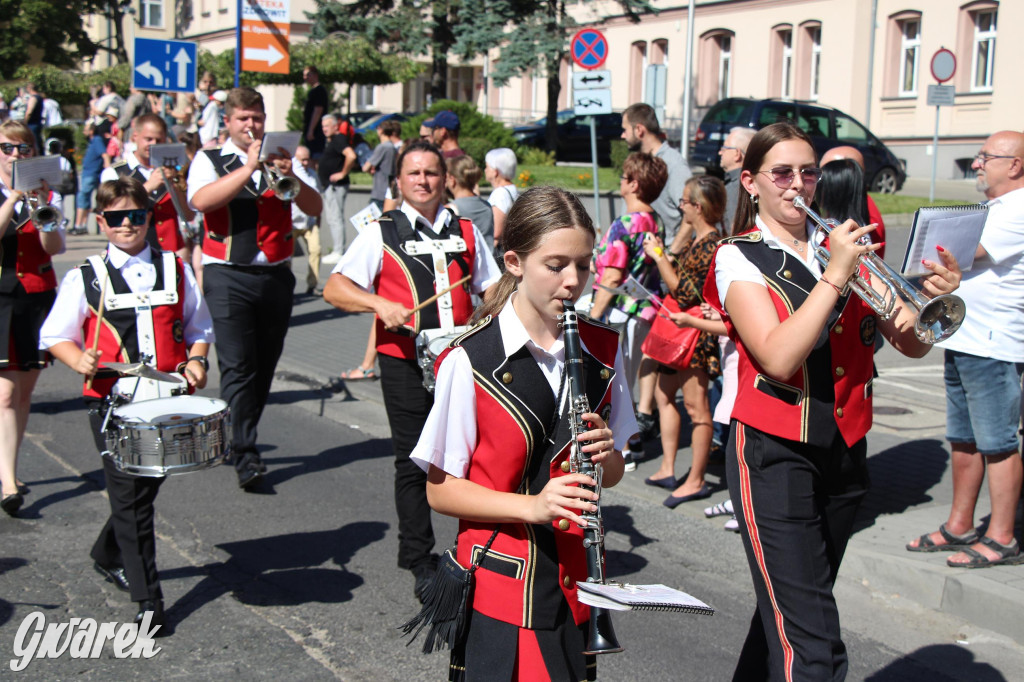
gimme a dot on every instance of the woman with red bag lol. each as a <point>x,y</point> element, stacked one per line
<point>703,205</point>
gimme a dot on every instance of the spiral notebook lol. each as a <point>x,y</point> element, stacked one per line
<point>628,597</point>
<point>955,228</point>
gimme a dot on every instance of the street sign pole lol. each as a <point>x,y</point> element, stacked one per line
<point>593,162</point>
<point>935,156</point>
<point>943,67</point>
<point>238,42</point>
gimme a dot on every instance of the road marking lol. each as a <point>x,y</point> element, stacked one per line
<point>906,387</point>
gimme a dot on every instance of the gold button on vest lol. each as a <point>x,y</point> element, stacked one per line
<point>565,466</point>
<point>839,412</point>
<point>787,274</point>
<point>563,524</point>
<point>507,377</point>
<point>567,581</point>
<point>605,373</point>
<point>840,371</point>
<point>839,329</point>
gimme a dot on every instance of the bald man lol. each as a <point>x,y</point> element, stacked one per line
<point>874,215</point>
<point>730,158</point>
<point>983,362</point>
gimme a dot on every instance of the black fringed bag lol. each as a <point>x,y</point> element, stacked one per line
<point>446,602</point>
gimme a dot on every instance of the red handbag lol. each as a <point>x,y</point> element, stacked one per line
<point>669,344</point>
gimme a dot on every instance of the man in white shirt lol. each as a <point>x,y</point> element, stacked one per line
<point>307,227</point>
<point>209,122</point>
<point>983,370</point>
<point>405,257</point>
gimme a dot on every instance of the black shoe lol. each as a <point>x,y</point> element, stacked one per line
<point>158,618</point>
<point>249,476</point>
<point>424,576</point>
<point>12,503</point>
<point>113,575</point>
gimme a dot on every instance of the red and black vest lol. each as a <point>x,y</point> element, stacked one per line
<point>165,235</point>
<point>531,570</point>
<point>255,220</point>
<point>118,334</point>
<point>22,258</point>
<point>831,392</point>
<point>409,279</point>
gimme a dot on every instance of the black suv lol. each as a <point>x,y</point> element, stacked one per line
<point>827,127</point>
<point>574,136</point>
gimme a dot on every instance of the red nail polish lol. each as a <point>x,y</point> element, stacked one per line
<point>940,249</point>
<point>924,262</point>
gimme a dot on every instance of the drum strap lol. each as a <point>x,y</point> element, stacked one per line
<point>142,302</point>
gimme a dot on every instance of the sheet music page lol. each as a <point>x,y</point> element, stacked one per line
<point>28,174</point>
<point>624,597</point>
<point>955,228</point>
<point>288,140</point>
<point>365,217</point>
<point>172,154</point>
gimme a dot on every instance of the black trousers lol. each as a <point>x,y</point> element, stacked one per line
<point>251,307</point>
<point>795,505</point>
<point>127,539</point>
<point>408,404</point>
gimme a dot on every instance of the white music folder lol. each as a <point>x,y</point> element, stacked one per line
<point>955,228</point>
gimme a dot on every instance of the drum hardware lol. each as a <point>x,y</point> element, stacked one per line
<point>99,324</point>
<point>142,371</point>
<point>284,187</point>
<point>429,346</point>
<point>935,320</point>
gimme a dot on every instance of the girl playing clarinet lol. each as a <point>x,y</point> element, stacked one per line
<point>496,448</point>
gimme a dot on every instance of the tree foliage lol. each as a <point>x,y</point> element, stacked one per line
<point>478,133</point>
<point>51,30</point>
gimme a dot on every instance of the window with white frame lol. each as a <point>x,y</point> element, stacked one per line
<point>910,54</point>
<point>786,37</point>
<point>366,97</point>
<point>724,64</point>
<point>814,33</point>
<point>984,52</point>
<point>151,13</point>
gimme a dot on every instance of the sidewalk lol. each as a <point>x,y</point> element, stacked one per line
<point>908,461</point>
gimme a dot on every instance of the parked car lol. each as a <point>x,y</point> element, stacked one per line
<point>370,125</point>
<point>574,136</point>
<point>827,126</point>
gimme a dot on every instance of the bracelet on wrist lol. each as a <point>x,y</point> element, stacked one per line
<point>202,360</point>
<point>838,290</point>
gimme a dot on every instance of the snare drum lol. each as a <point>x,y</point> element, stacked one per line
<point>429,346</point>
<point>168,436</point>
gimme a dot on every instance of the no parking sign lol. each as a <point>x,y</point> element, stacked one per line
<point>589,48</point>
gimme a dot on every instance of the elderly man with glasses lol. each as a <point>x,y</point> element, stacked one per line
<point>983,363</point>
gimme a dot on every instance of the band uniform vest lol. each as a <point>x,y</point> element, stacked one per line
<point>832,389</point>
<point>254,220</point>
<point>409,278</point>
<point>121,333</point>
<point>165,234</point>
<point>531,570</point>
<point>22,258</point>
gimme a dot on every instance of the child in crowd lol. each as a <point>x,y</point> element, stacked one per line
<point>463,177</point>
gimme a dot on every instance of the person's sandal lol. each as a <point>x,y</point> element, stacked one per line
<point>360,374</point>
<point>954,543</point>
<point>1007,555</point>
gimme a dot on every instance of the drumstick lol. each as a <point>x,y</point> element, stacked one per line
<point>99,325</point>
<point>439,294</point>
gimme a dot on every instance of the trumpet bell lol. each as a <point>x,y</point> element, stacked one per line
<point>940,318</point>
<point>286,189</point>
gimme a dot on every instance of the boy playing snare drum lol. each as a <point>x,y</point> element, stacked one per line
<point>152,312</point>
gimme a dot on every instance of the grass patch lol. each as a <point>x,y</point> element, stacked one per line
<point>899,203</point>
<point>569,177</point>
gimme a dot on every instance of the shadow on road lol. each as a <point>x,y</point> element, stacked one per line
<point>332,458</point>
<point>901,477</point>
<point>282,570</point>
<point>928,664</point>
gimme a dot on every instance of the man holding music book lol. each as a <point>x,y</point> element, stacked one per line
<point>983,363</point>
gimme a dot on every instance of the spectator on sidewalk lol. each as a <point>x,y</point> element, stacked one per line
<point>381,164</point>
<point>463,177</point>
<point>212,118</point>
<point>34,114</point>
<point>136,105</point>
<point>500,171</point>
<point>335,165</point>
<point>643,133</point>
<point>730,157</point>
<point>874,216</point>
<point>317,102</point>
<point>983,371</point>
<point>307,227</point>
<point>444,133</point>
<point>92,167</point>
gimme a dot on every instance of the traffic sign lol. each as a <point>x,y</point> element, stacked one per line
<point>266,27</point>
<point>592,102</point>
<point>589,48</point>
<point>943,65</point>
<point>941,95</point>
<point>164,65</point>
<point>589,80</point>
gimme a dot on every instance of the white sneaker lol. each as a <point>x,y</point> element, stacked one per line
<point>720,509</point>
<point>630,460</point>
<point>733,525</point>
<point>331,258</point>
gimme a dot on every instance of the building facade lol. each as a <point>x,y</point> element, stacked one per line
<point>869,58</point>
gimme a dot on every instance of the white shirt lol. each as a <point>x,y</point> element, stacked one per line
<point>364,257</point>
<point>732,266</point>
<point>133,162</point>
<point>994,288</point>
<point>71,308</point>
<point>211,122</point>
<point>449,435</point>
<point>503,197</point>
<point>202,173</point>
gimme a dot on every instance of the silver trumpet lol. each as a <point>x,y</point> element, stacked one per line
<point>936,319</point>
<point>46,218</point>
<point>284,187</point>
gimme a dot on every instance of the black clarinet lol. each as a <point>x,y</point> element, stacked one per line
<point>601,639</point>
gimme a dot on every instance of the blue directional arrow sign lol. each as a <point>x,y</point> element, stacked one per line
<point>165,65</point>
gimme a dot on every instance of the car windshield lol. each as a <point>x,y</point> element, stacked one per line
<point>562,117</point>
<point>729,111</point>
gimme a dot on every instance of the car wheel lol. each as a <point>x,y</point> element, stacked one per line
<point>885,181</point>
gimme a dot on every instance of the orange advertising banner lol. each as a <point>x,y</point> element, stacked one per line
<point>265,46</point>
